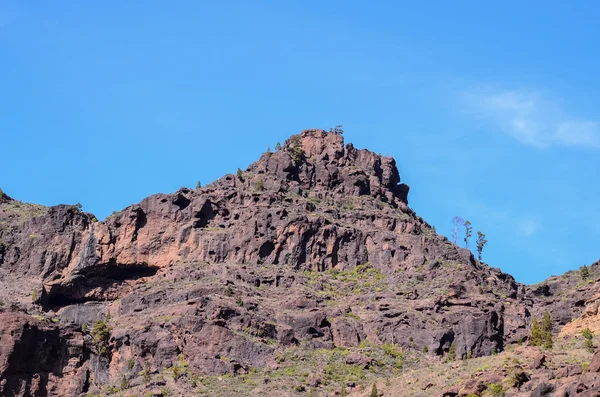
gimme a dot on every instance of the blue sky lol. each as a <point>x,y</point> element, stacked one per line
<point>491,111</point>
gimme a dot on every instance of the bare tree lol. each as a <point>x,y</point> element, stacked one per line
<point>457,222</point>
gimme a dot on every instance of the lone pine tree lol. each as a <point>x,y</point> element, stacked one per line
<point>468,232</point>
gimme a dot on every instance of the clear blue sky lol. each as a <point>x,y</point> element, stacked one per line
<point>491,111</point>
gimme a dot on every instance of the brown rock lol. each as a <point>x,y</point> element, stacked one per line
<point>472,386</point>
<point>543,390</point>
<point>595,363</point>
<point>539,360</point>
<point>358,359</point>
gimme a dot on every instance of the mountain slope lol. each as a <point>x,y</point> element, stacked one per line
<point>309,263</point>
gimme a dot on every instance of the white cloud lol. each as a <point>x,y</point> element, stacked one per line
<point>527,227</point>
<point>520,223</point>
<point>534,120</point>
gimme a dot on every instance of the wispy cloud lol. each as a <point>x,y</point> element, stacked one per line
<point>533,119</point>
<point>527,227</point>
<point>524,224</point>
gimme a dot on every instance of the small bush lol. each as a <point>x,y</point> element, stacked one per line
<point>295,149</point>
<point>496,390</point>
<point>180,367</point>
<point>452,352</point>
<point>101,332</point>
<point>589,343</point>
<point>392,351</point>
<point>584,271</point>
<point>547,331</point>
<point>584,367</point>
<point>195,380</point>
<point>124,383</point>
<point>336,130</point>
<point>535,338</point>
<point>374,392</point>
<point>146,373</point>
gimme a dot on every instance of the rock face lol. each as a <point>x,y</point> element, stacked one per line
<point>312,245</point>
<point>36,359</point>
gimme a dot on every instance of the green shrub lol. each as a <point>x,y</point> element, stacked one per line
<point>452,352</point>
<point>589,343</point>
<point>496,389</point>
<point>535,338</point>
<point>374,392</point>
<point>101,332</point>
<point>584,367</point>
<point>392,351</point>
<point>336,130</point>
<point>195,380</point>
<point>295,149</point>
<point>146,373</point>
<point>124,383</point>
<point>584,272</point>
<point>180,367</point>
<point>547,331</point>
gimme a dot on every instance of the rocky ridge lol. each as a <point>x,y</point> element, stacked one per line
<point>312,249</point>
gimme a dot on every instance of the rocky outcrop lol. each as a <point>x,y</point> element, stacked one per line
<point>37,358</point>
<point>313,245</point>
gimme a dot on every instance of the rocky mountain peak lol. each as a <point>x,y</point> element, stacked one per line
<point>309,252</point>
<point>318,161</point>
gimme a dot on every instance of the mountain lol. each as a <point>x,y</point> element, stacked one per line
<point>305,274</point>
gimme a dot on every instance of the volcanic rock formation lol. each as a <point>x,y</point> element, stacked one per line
<point>312,246</point>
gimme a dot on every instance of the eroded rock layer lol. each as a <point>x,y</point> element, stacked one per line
<point>314,245</point>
